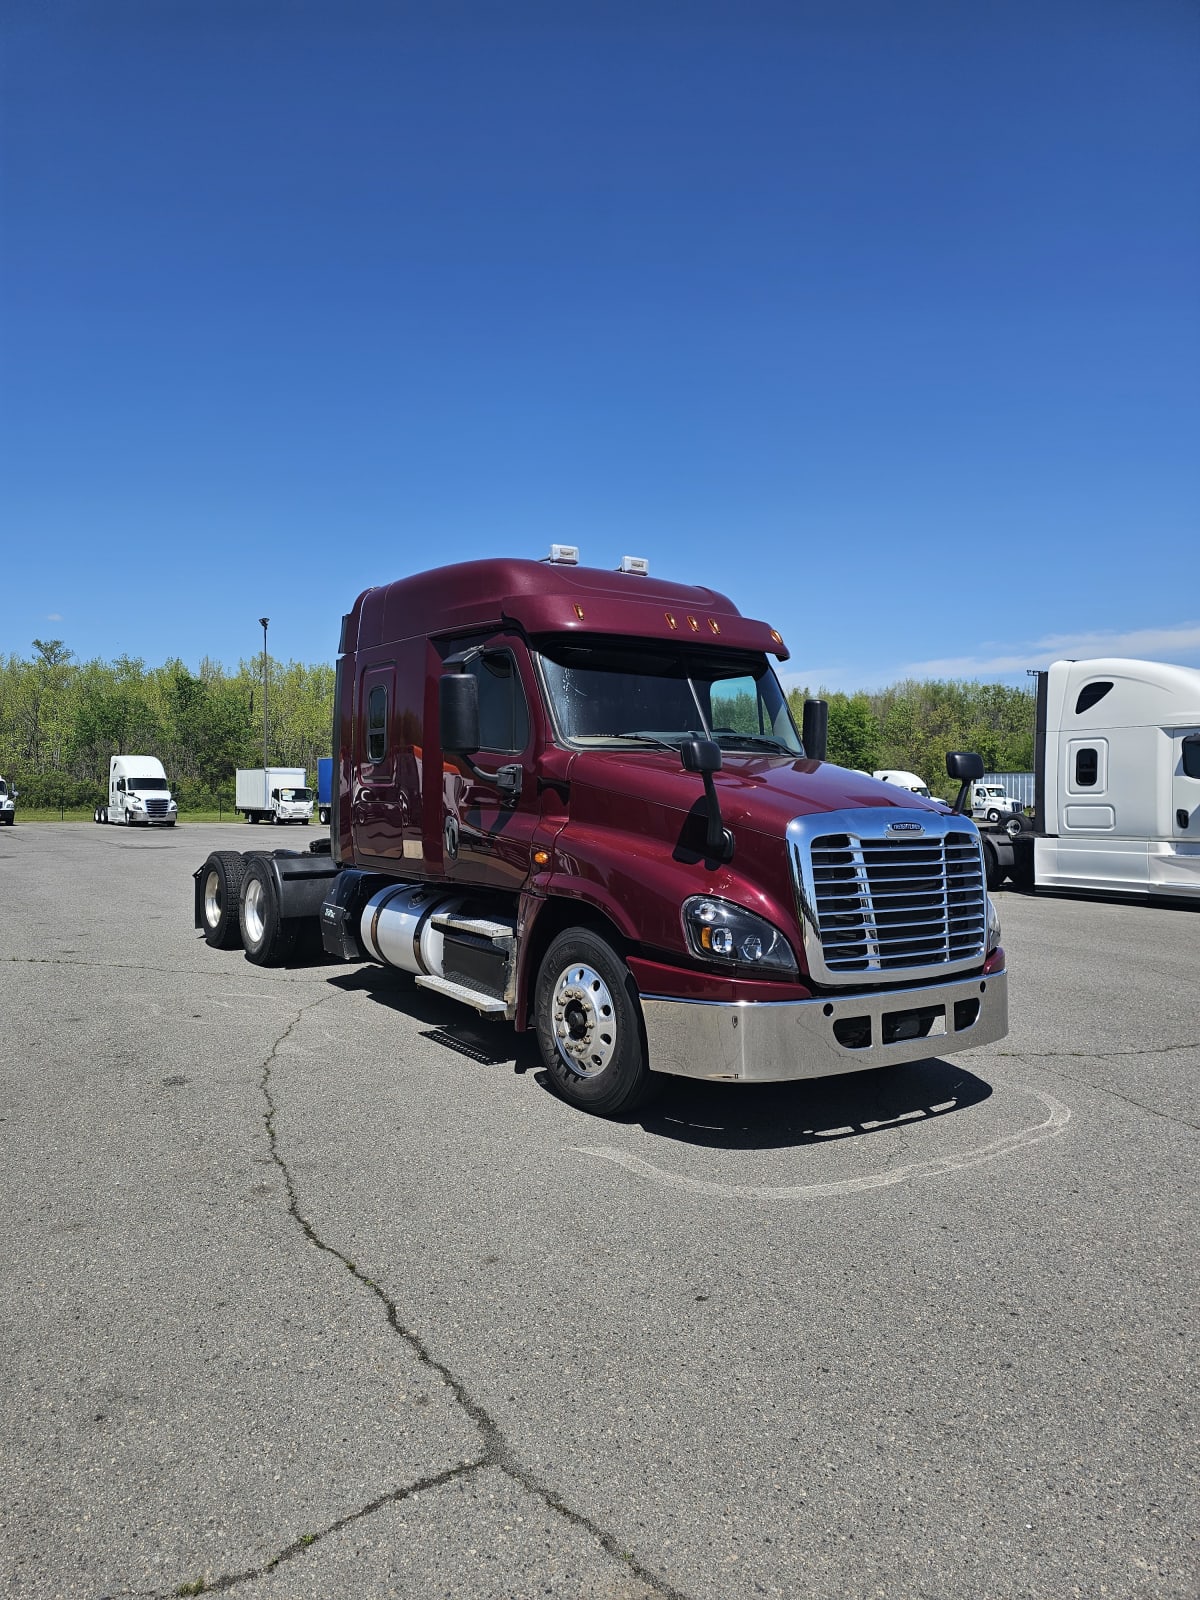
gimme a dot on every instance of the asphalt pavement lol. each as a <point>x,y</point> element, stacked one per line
<point>309,1286</point>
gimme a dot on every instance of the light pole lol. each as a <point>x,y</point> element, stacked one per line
<point>263,621</point>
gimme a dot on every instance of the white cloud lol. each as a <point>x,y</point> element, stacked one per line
<point>1179,643</point>
<point>53,616</point>
<point>1155,644</point>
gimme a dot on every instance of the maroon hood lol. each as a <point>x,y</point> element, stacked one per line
<point>763,792</point>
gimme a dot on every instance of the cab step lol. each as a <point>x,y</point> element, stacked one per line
<point>490,1003</point>
<point>481,927</point>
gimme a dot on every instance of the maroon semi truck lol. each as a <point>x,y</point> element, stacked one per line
<point>576,799</point>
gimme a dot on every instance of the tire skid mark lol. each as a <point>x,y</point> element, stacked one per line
<point>1058,1115</point>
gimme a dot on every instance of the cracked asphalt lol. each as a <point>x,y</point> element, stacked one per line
<point>312,1288</point>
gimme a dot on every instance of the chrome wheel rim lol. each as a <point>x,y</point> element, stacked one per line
<point>584,1020</point>
<point>212,898</point>
<point>252,911</point>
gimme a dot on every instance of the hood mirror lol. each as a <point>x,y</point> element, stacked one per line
<point>704,756</point>
<point>967,767</point>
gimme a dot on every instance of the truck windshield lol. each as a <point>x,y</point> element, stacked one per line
<point>295,794</point>
<point>636,692</point>
<point>145,785</point>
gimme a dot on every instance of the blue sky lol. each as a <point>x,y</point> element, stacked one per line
<point>883,319</point>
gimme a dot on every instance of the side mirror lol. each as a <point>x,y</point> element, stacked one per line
<point>458,713</point>
<point>700,755</point>
<point>964,765</point>
<point>815,731</point>
<point>704,756</point>
<point>967,767</point>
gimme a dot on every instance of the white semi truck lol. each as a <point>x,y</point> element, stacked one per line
<point>273,794</point>
<point>991,802</point>
<point>8,804</point>
<point>138,793</point>
<point>903,780</point>
<point>1117,784</point>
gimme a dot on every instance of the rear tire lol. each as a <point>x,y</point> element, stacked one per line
<point>267,937</point>
<point>589,1025</point>
<point>221,893</point>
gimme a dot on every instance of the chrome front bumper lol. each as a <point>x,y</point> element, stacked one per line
<point>775,1041</point>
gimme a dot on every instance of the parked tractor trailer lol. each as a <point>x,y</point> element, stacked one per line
<point>139,794</point>
<point>1116,784</point>
<point>575,800</point>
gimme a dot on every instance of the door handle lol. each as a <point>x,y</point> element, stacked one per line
<point>1182,818</point>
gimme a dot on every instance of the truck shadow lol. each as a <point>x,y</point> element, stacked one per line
<point>726,1116</point>
<point>769,1116</point>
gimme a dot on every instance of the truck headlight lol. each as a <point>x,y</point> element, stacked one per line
<point>993,919</point>
<point>718,930</point>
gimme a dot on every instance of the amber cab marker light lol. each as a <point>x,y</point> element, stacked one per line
<point>670,620</point>
<point>693,625</point>
<point>579,612</point>
<point>541,857</point>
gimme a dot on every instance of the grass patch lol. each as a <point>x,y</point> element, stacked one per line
<point>84,814</point>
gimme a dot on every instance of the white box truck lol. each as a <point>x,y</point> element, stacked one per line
<point>1117,784</point>
<point>138,793</point>
<point>8,803</point>
<point>273,794</point>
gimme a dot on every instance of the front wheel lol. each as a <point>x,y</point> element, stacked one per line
<point>589,1025</point>
<point>993,815</point>
<point>267,937</point>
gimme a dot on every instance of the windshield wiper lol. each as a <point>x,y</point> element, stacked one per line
<point>767,741</point>
<point>653,738</point>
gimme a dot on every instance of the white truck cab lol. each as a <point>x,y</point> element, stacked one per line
<point>903,780</point>
<point>991,802</point>
<point>138,793</point>
<point>8,809</point>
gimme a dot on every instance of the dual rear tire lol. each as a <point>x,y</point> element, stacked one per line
<point>239,905</point>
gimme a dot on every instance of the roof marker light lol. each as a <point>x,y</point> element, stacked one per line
<point>637,566</point>
<point>693,624</point>
<point>563,555</point>
<point>670,621</point>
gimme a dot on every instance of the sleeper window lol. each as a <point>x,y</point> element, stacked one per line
<point>377,723</point>
<point>1087,768</point>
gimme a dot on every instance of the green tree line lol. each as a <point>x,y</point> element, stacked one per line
<point>911,725</point>
<point>61,719</point>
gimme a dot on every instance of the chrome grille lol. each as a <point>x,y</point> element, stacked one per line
<point>889,892</point>
<point>156,808</point>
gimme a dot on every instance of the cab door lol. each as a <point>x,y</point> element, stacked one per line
<point>487,837</point>
<point>376,809</point>
<point>1185,784</point>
